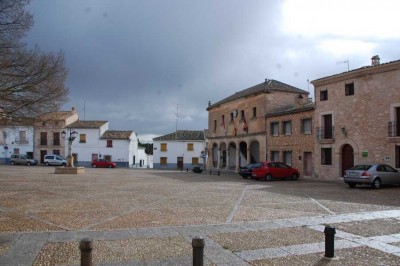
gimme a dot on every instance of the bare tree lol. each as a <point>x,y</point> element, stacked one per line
<point>31,81</point>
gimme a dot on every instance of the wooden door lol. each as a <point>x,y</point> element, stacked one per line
<point>180,163</point>
<point>307,164</point>
<point>347,158</point>
<point>397,122</point>
<point>42,154</point>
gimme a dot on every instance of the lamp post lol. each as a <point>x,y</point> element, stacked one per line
<point>72,136</point>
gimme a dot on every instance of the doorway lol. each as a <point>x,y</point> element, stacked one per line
<point>42,154</point>
<point>180,163</point>
<point>347,158</point>
<point>307,163</point>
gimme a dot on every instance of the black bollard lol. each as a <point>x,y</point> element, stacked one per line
<point>218,172</point>
<point>86,247</point>
<point>210,172</point>
<point>329,241</point>
<point>198,251</point>
<point>187,170</point>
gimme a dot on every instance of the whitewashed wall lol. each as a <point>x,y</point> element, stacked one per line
<point>177,149</point>
<point>10,140</point>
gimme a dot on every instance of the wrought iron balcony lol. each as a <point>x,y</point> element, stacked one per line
<point>325,133</point>
<point>394,129</point>
<point>21,141</point>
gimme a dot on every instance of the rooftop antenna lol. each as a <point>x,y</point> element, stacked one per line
<point>84,110</point>
<point>308,85</point>
<point>344,62</point>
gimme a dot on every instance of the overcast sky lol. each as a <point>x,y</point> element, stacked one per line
<point>135,63</point>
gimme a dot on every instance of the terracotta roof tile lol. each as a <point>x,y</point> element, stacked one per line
<point>117,134</point>
<point>290,109</point>
<point>87,124</point>
<point>267,86</point>
<point>183,135</point>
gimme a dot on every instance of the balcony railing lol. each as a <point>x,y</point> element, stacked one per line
<point>21,141</point>
<point>394,129</point>
<point>325,133</point>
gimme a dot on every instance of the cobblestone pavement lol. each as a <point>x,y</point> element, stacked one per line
<point>149,217</point>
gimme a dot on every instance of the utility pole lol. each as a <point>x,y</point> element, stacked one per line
<point>176,125</point>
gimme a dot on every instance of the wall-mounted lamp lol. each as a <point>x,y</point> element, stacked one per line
<point>344,131</point>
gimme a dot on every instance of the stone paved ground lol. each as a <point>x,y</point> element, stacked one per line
<point>149,217</point>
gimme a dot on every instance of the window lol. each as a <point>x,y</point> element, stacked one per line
<point>326,156</point>
<point>349,89</point>
<point>163,160</point>
<point>195,160</point>
<point>190,146</point>
<point>163,146</point>
<point>43,138</point>
<point>274,155</point>
<point>56,152</point>
<point>22,137</point>
<point>306,125</point>
<point>287,157</point>
<point>56,138</point>
<point>16,151</point>
<point>215,125</point>
<point>287,127</point>
<point>275,128</point>
<point>106,157</point>
<point>109,143</point>
<point>231,118</point>
<point>223,121</point>
<point>323,96</point>
<point>397,157</point>
<point>242,117</point>
<point>254,112</point>
<point>82,138</point>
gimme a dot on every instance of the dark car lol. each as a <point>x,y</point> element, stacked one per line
<point>103,163</point>
<point>278,170</point>
<point>374,175</point>
<point>246,171</point>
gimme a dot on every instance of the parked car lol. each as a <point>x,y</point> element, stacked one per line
<point>22,159</point>
<point>269,170</point>
<point>374,175</point>
<point>103,163</point>
<point>53,159</point>
<point>246,171</point>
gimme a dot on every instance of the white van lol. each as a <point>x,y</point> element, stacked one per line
<point>54,160</point>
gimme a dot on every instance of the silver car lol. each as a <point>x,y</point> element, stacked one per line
<point>374,175</point>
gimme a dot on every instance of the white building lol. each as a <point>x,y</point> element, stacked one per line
<point>95,141</point>
<point>182,149</point>
<point>15,140</point>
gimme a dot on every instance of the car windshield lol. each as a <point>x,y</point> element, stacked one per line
<point>363,167</point>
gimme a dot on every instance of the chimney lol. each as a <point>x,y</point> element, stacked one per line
<point>73,110</point>
<point>375,60</point>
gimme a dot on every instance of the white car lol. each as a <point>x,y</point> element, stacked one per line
<point>54,160</point>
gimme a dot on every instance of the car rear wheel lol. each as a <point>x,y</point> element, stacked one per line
<point>376,183</point>
<point>351,185</point>
<point>63,164</point>
<point>110,166</point>
<point>268,177</point>
<point>12,163</point>
<point>94,166</point>
<point>28,163</point>
<point>295,176</point>
<point>47,163</point>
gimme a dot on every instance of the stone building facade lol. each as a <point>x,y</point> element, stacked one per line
<point>290,136</point>
<point>236,124</point>
<point>357,118</point>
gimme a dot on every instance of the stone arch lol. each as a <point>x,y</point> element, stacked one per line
<point>243,153</point>
<point>231,164</point>
<point>254,151</point>
<point>214,155</point>
<point>223,153</point>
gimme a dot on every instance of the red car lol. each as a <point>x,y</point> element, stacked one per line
<point>103,163</point>
<point>270,170</point>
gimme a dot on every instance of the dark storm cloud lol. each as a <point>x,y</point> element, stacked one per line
<point>134,62</point>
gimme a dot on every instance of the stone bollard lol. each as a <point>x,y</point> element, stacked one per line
<point>86,247</point>
<point>198,251</point>
<point>329,241</point>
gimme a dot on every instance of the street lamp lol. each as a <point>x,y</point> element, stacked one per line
<point>72,136</point>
